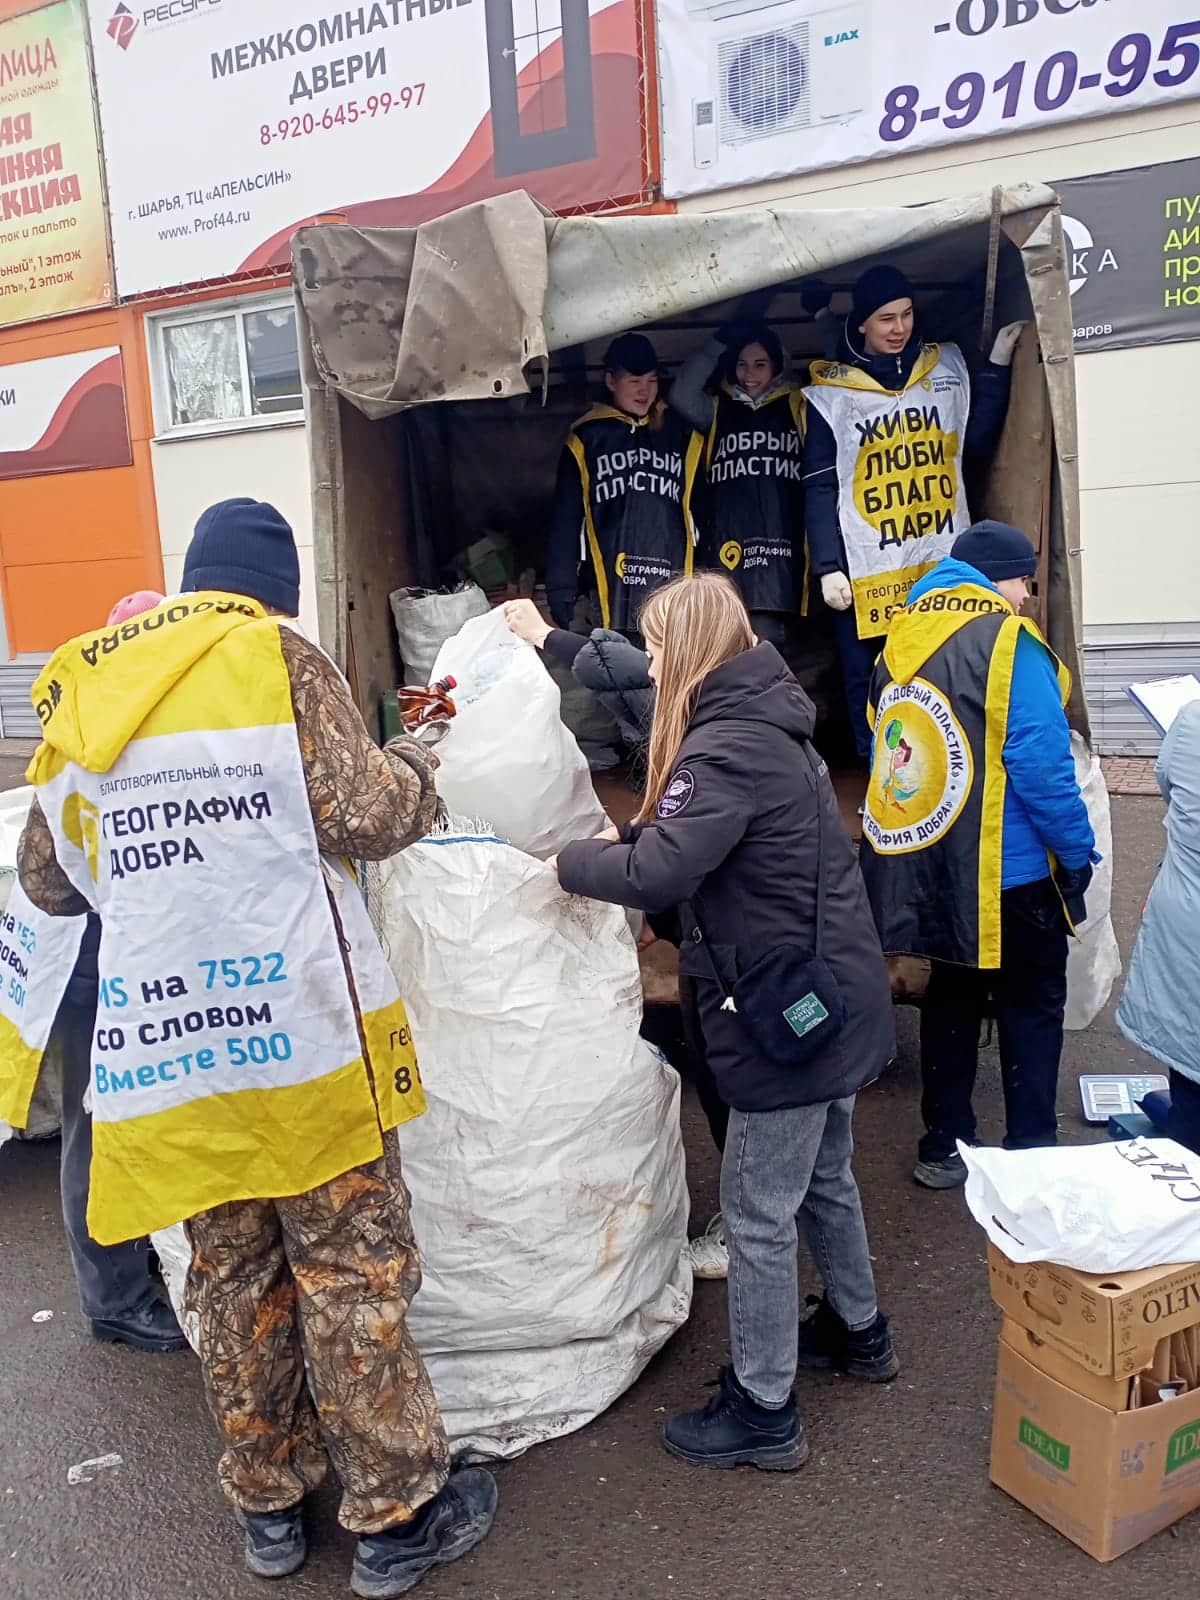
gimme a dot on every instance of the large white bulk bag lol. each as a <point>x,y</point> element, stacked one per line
<point>508,757</point>
<point>548,1182</point>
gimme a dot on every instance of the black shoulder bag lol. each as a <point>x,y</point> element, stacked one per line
<point>789,1001</point>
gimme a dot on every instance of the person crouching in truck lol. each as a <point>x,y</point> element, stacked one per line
<point>977,849</point>
<point>203,776</point>
<point>891,423</point>
<point>622,503</point>
<point>753,512</point>
<point>739,836</point>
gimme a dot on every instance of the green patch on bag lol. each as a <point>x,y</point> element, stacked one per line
<point>805,1015</point>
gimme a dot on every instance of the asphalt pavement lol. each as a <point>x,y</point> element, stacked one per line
<point>894,1502</point>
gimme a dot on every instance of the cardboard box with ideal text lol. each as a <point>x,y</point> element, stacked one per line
<point>1107,1480</point>
<point>1110,1324</point>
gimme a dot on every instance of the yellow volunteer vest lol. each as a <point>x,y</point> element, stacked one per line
<point>933,818</point>
<point>37,956</point>
<point>901,501</point>
<point>228,1063</point>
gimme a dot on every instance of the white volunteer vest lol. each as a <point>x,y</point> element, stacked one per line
<point>37,956</point>
<point>899,463</point>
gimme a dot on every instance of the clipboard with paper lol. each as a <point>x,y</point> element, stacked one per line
<point>1162,699</point>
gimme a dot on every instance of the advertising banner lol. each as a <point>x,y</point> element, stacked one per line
<point>1133,243</point>
<point>229,123</point>
<point>63,414</point>
<point>753,91</point>
<point>53,240</point>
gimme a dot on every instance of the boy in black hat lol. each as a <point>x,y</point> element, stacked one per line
<point>889,424</point>
<point>622,503</point>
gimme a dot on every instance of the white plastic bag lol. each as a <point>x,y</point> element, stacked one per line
<point>548,1180</point>
<point>1097,1208</point>
<point>1093,959</point>
<point>508,757</point>
<point>426,618</point>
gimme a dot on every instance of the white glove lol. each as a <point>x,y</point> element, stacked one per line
<point>1006,343</point>
<point>835,586</point>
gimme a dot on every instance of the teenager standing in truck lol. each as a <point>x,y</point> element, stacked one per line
<point>891,423</point>
<point>753,428</point>
<point>622,504</point>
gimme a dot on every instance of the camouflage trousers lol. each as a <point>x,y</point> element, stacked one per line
<point>305,1352</point>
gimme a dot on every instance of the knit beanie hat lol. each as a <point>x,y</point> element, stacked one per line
<point>245,547</point>
<point>878,286</point>
<point>133,605</point>
<point>996,549</point>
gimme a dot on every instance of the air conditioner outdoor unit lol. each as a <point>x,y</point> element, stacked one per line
<point>778,70</point>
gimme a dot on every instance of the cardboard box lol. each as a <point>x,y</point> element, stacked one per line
<point>1107,1480</point>
<point>1110,1325</point>
<point>1110,1392</point>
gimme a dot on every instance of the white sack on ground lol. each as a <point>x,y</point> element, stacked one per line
<point>1093,959</point>
<point>548,1182</point>
<point>1097,1208</point>
<point>508,757</point>
<point>426,618</point>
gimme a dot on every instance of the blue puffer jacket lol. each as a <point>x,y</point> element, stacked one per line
<point>1160,1009</point>
<point>1043,809</point>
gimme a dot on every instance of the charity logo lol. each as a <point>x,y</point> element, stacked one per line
<point>921,771</point>
<point>619,565</point>
<point>122,26</point>
<point>731,554</point>
<point>81,824</point>
<point>678,794</point>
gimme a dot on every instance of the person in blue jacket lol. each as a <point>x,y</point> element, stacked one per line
<point>977,848</point>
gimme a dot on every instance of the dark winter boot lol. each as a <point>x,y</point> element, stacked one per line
<point>826,1341</point>
<point>735,1431</point>
<point>275,1543</point>
<point>390,1563</point>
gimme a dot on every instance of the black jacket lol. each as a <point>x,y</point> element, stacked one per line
<point>616,672</point>
<point>624,486</point>
<point>990,388</point>
<point>735,840</point>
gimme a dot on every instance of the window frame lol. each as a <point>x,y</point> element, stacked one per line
<point>239,307</point>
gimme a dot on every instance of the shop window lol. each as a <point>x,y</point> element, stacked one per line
<point>228,366</point>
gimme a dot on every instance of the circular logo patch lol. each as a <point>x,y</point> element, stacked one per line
<point>922,770</point>
<point>619,565</point>
<point>678,794</point>
<point>731,554</point>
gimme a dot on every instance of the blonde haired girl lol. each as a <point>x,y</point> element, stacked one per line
<point>740,835</point>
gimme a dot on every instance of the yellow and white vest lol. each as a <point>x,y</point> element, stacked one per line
<point>37,956</point>
<point>228,1062</point>
<point>901,498</point>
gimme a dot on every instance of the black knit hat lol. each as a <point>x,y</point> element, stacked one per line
<point>996,549</point>
<point>245,547</point>
<point>878,286</point>
<point>632,353</point>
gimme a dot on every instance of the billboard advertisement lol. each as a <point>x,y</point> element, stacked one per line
<point>53,239</point>
<point>1133,252</point>
<point>754,91</point>
<point>63,414</point>
<point>229,123</point>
